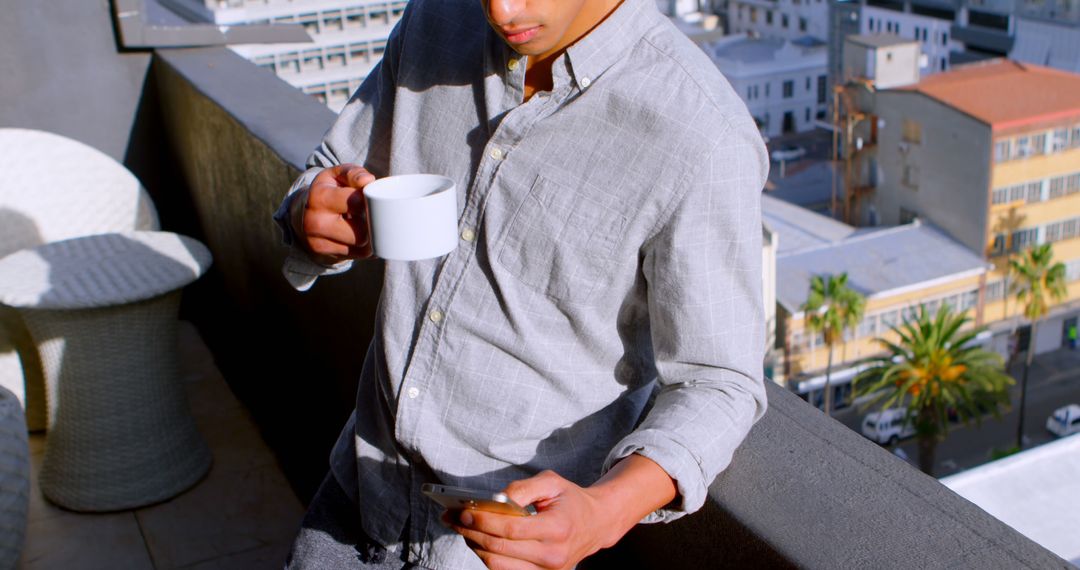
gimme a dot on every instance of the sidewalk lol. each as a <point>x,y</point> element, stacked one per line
<point>243,514</point>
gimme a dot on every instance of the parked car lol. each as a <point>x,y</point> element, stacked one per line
<point>1064,421</point>
<point>887,426</point>
<point>788,152</point>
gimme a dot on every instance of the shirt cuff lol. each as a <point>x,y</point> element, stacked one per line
<point>674,459</point>
<point>301,272</point>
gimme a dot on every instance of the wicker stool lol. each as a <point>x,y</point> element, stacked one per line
<point>102,310</point>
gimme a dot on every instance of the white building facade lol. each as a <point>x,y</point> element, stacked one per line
<point>783,83</point>
<point>349,39</point>
<point>933,34</point>
<point>784,19</point>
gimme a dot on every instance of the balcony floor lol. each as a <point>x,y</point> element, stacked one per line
<point>243,514</point>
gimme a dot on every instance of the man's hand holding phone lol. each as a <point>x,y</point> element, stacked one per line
<point>572,522</point>
<point>330,218</point>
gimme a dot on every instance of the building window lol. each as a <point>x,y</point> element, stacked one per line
<point>784,20</point>
<point>1038,144</point>
<point>1002,150</point>
<point>1034,192</point>
<point>822,89</point>
<point>1057,187</point>
<point>911,176</point>
<point>753,15</point>
<point>998,247</point>
<point>995,291</point>
<point>999,196</point>
<point>1017,193</point>
<point>789,89</point>
<point>1072,183</point>
<point>768,17</point>
<point>1060,140</point>
<point>912,131</point>
<point>888,319</point>
<point>802,24</point>
<point>868,327</point>
<point>1023,147</point>
<point>1074,139</point>
<point>1024,238</point>
<point>1072,270</point>
<point>767,90</point>
<point>808,83</point>
<point>944,38</point>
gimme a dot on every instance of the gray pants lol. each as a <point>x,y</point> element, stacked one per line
<point>330,537</point>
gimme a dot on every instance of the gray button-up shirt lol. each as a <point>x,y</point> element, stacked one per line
<point>605,297</point>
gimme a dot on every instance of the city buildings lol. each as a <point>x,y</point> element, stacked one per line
<point>782,82</point>
<point>784,19</point>
<point>349,39</point>
<point>889,266</point>
<point>991,154</point>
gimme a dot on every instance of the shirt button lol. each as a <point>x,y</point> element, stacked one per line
<point>512,64</point>
<point>413,392</point>
<point>496,153</point>
<point>436,316</point>
<point>585,82</point>
<point>468,234</point>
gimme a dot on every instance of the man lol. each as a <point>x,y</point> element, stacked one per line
<point>594,344</point>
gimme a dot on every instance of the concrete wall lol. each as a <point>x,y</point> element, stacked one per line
<point>953,164</point>
<point>62,73</point>
<point>240,135</point>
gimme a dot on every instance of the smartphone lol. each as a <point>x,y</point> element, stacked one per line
<point>457,498</point>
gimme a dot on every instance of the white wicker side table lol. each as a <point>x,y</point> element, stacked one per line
<point>102,311</point>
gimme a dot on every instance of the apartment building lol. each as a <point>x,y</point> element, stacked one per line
<point>349,39</point>
<point>990,153</point>
<point>783,19</point>
<point>782,82</point>
<point>889,266</point>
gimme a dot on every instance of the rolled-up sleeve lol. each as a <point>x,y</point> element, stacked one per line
<point>703,270</point>
<point>361,134</point>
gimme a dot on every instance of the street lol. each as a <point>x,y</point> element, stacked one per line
<point>1054,381</point>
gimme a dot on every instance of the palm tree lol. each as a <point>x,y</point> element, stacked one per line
<point>1038,281</point>
<point>934,368</point>
<point>831,308</point>
<point>1006,226</point>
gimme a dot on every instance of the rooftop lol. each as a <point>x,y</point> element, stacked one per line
<point>878,261</point>
<point>801,229</point>
<point>752,52</point>
<point>879,40</point>
<point>1037,492</point>
<point>1004,93</point>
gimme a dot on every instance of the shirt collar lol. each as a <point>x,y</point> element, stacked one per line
<point>611,41</point>
<point>591,56</point>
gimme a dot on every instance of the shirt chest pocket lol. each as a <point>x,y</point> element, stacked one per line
<point>561,242</point>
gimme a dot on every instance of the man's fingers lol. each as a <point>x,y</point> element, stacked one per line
<point>357,177</point>
<point>330,197</point>
<point>499,547</point>
<point>542,487</point>
<point>350,232</point>
<point>499,562</point>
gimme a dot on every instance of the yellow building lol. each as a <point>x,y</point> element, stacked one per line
<point>990,153</point>
<point>889,266</point>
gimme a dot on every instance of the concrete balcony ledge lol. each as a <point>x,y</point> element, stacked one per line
<point>803,491</point>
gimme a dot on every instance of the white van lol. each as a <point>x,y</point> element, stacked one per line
<point>887,426</point>
<point>1064,421</point>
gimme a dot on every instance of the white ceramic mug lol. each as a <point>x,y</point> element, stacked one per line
<point>412,216</point>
